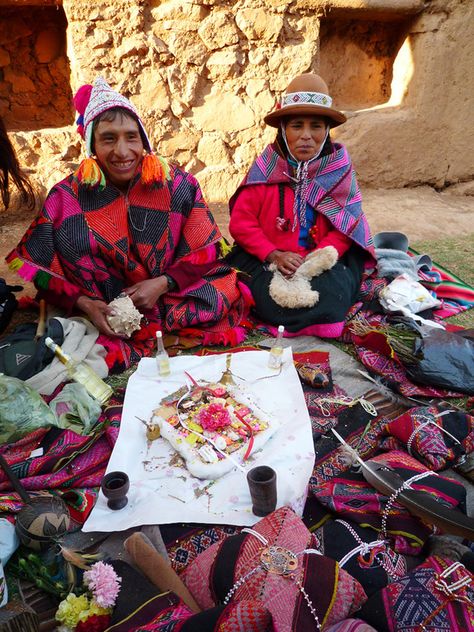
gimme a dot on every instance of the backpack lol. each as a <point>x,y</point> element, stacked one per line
<point>22,356</point>
<point>8,302</point>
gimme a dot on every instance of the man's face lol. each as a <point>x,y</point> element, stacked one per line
<point>119,149</point>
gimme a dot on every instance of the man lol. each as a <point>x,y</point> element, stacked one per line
<point>126,222</point>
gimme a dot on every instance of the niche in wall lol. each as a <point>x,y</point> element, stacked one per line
<point>35,89</point>
<point>356,59</point>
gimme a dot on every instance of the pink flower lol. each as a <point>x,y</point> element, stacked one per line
<point>104,584</point>
<point>213,416</point>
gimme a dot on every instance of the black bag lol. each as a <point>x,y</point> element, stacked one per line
<point>22,356</point>
<point>8,302</point>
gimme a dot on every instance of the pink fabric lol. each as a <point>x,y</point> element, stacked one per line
<point>324,330</point>
<point>253,223</point>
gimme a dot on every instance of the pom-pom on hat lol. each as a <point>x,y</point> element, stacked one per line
<point>90,101</point>
<point>306,95</point>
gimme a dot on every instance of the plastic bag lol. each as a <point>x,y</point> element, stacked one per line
<point>22,410</point>
<point>446,359</point>
<point>406,296</point>
<point>75,408</point>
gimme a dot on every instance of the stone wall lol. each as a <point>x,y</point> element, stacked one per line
<point>35,89</point>
<point>203,73</point>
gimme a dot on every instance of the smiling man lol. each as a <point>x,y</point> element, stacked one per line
<point>127,222</point>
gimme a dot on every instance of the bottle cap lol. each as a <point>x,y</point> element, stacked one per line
<point>49,342</point>
<point>159,334</point>
<point>281,329</point>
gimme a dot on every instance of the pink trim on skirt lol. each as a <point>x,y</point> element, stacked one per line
<point>324,330</point>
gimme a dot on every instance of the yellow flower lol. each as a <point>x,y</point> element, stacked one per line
<point>94,608</point>
<point>72,610</point>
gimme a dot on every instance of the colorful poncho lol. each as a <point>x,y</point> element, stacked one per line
<point>332,189</point>
<point>96,243</point>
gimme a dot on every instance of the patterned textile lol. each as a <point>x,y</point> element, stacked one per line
<point>332,190</point>
<point>351,625</point>
<point>214,576</point>
<point>141,606</point>
<point>349,496</point>
<point>72,465</point>
<point>437,436</point>
<point>97,243</point>
<point>395,377</point>
<point>184,543</point>
<point>455,294</point>
<point>336,540</point>
<point>423,601</point>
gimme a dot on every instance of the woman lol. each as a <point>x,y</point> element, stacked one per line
<point>10,172</point>
<point>302,238</point>
<point>126,222</point>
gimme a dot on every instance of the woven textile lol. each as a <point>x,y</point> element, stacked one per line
<point>349,496</point>
<point>417,603</point>
<point>334,594</point>
<point>437,436</point>
<point>96,243</point>
<point>332,190</point>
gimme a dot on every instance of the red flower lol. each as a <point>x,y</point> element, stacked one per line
<point>95,623</point>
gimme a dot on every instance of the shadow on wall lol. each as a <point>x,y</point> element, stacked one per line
<point>35,89</point>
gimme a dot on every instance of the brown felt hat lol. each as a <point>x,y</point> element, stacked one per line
<point>306,95</point>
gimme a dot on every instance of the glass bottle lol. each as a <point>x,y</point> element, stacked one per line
<point>275,357</point>
<point>82,373</point>
<point>162,358</point>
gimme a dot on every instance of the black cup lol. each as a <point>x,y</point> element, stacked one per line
<point>115,486</point>
<point>263,489</point>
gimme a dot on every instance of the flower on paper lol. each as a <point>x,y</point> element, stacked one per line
<point>104,584</point>
<point>72,610</point>
<point>213,416</point>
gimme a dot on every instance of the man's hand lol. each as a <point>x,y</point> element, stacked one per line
<point>96,311</point>
<point>286,262</point>
<point>145,294</point>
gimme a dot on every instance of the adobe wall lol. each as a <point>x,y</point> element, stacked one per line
<point>203,73</point>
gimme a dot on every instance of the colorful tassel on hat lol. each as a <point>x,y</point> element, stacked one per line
<point>90,174</point>
<point>155,170</point>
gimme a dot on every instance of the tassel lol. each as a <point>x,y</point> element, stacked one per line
<point>90,174</point>
<point>224,247</point>
<point>155,170</point>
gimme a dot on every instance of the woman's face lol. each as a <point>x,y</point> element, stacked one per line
<point>305,135</point>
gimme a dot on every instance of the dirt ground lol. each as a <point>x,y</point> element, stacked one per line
<point>421,213</point>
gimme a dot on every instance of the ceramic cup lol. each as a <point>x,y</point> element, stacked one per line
<point>115,486</point>
<point>263,490</point>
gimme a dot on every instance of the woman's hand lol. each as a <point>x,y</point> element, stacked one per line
<point>145,294</point>
<point>97,312</point>
<point>287,262</point>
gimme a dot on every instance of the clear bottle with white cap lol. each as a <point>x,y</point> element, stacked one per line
<point>162,358</point>
<point>82,373</point>
<point>275,357</point>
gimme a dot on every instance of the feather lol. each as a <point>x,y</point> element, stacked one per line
<point>387,392</point>
<point>419,503</point>
<point>80,560</point>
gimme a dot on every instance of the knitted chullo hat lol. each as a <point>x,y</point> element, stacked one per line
<point>92,100</point>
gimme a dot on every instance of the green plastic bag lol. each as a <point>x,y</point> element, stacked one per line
<point>22,410</point>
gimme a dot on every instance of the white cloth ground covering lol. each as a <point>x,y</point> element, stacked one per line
<point>162,493</point>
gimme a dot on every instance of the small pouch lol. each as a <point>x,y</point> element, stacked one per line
<point>313,369</point>
<point>438,437</point>
<point>437,595</point>
<point>276,560</point>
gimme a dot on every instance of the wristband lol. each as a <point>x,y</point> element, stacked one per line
<point>171,282</point>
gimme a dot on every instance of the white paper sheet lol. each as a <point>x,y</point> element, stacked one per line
<point>162,493</point>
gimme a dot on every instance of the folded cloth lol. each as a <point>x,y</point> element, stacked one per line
<point>157,569</point>
<point>80,337</point>
<point>391,263</point>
